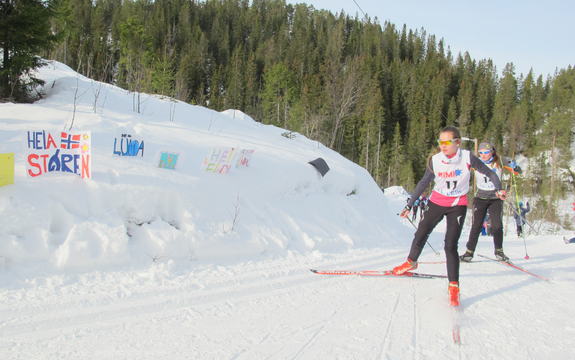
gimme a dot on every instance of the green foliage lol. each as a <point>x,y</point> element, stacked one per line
<point>278,95</point>
<point>24,33</point>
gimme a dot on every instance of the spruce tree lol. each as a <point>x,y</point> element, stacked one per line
<point>278,95</point>
<point>24,33</point>
<point>505,102</point>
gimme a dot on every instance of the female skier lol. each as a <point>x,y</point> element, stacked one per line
<point>450,170</point>
<point>486,201</point>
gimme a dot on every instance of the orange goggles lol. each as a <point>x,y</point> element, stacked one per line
<point>446,142</point>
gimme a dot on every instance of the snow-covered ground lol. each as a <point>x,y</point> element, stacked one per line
<point>141,262</point>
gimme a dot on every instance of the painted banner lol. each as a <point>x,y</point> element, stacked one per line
<point>128,146</point>
<point>6,169</point>
<point>220,161</point>
<point>168,160</point>
<point>66,152</point>
<point>244,157</point>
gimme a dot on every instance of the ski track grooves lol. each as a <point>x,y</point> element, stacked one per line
<point>415,321</point>
<point>39,320</point>
<point>34,320</point>
<point>312,338</point>
<point>456,330</point>
<point>384,343</point>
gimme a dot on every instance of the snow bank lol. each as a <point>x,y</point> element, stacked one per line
<point>133,212</point>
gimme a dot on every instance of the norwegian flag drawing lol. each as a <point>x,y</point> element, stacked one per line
<point>69,141</point>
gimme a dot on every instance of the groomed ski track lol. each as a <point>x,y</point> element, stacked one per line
<point>278,309</point>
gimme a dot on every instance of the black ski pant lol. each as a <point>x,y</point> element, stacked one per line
<point>455,217</point>
<point>519,230</point>
<point>480,208</point>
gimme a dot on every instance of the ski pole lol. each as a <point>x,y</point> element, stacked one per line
<point>415,227</point>
<point>525,245</point>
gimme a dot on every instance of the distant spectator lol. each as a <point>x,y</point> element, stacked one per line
<point>513,165</point>
<point>519,216</point>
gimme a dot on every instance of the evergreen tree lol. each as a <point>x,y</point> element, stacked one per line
<point>24,32</point>
<point>235,94</point>
<point>466,111</point>
<point>278,95</point>
<point>452,111</point>
<point>399,171</point>
<point>370,127</point>
<point>162,76</point>
<point>505,102</point>
<point>559,123</point>
<point>136,58</point>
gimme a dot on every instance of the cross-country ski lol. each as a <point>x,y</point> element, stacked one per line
<point>514,266</point>
<point>387,273</point>
<point>456,326</point>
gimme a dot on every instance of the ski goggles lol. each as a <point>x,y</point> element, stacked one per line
<point>484,152</point>
<point>445,142</point>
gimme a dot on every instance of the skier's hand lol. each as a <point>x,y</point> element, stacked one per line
<point>405,212</point>
<point>501,194</point>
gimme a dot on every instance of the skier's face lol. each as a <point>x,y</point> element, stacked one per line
<point>485,154</point>
<point>448,144</point>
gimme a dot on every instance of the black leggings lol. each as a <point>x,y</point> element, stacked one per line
<point>429,219</point>
<point>480,208</point>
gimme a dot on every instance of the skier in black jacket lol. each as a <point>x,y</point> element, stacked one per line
<point>485,202</point>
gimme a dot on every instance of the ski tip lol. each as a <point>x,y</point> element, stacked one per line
<point>313,271</point>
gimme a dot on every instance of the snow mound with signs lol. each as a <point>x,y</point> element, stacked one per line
<point>237,188</point>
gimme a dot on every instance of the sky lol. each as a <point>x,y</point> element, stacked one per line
<point>531,34</point>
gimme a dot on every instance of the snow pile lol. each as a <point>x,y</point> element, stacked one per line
<point>133,212</point>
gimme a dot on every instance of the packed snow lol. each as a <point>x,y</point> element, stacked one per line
<point>143,262</point>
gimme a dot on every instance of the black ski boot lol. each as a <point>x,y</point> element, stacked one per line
<point>499,255</point>
<point>467,256</point>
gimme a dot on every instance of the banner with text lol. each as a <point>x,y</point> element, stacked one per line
<point>220,160</point>
<point>127,146</point>
<point>64,152</point>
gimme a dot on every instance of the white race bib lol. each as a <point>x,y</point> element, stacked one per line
<point>483,182</point>
<point>452,174</point>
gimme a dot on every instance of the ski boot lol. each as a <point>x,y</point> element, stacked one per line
<point>500,256</point>
<point>467,256</point>
<point>405,267</point>
<point>453,290</point>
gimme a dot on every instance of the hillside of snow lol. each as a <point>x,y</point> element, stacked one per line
<point>136,261</point>
<point>132,212</point>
